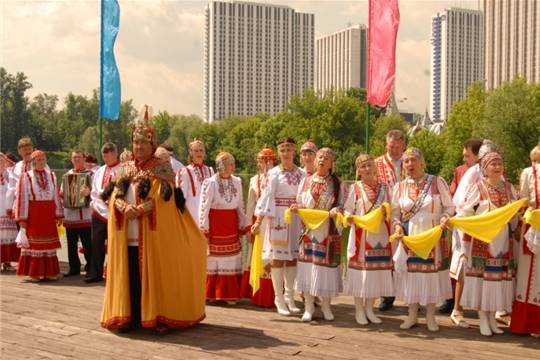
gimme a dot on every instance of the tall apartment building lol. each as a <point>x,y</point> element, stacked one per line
<point>341,59</point>
<point>512,38</point>
<point>255,57</point>
<point>457,57</point>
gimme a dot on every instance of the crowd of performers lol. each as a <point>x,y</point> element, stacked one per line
<point>172,233</point>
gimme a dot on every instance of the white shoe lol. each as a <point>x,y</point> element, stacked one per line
<point>485,329</point>
<point>493,323</point>
<point>325,307</point>
<point>277,282</point>
<point>309,308</point>
<point>360,315</point>
<point>430,318</point>
<point>458,319</point>
<point>290,275</point>
<point>412,318</point>
<point>369,312</point>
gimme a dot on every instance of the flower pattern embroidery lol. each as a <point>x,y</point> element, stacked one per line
<point>226,189</point>
<point>293,178</point>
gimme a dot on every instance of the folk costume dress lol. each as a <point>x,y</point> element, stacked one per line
<point>526,306</point>
<point>420,207</point>
<point>369,273</point>
<point>190,179</point>
<point>155,263</point>
<point>222,217</point>
<point>8,229</point>
<point>38,204</point>
<point>489,268</point>
<point>280,240</point>
<point>319,270</point>
<point>265,295</point>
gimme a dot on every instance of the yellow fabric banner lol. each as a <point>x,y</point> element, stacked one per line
<point>422,243</point>
<point>257,266</point>
<point>312,218</point>
<point>372,220</point>
<point>486,226</point>
<point>532,217</point>
<point>61,230</point>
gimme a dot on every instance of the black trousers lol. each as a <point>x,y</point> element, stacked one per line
<point>99,235</point>
<point>73,235</point>
<point>134,285</point>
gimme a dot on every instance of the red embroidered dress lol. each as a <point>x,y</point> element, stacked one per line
<point>38,205</point>
<point>526,306</point>
<point>221,216</point>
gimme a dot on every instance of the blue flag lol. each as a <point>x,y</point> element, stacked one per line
<point>109,78</point>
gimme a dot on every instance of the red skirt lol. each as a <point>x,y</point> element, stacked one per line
<point>38,263</point>
<point>264,296</point>
<point>9,253</point>
<point>223,287</point>
<point>525,318</point>
<point>224,234</point>
<point>41,226</point>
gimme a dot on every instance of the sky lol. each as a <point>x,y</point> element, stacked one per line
<point>159,49</point>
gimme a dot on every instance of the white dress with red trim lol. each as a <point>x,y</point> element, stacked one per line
<point>489,268</point>
<point>319,259</point>
<point>369,273</point>
<point>526,306</point>
<point>222,217</point>
<point>280,240</point>
<point>80,217</point>
<point>38,205</point>
<point>190,179</point>
<point>8,228</point>
<point>102,177</point>
<point>265,295</point>
<point>419,207</point>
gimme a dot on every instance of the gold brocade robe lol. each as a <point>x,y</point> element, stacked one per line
<point>172,263</point>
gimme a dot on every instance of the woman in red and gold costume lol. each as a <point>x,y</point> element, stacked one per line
<point>222,219</point>
<point>37,210</point>
<point>264,297</point>
<point>156,253</point>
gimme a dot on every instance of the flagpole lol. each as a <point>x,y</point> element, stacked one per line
<point>100,83</point>
<point>367,128</point>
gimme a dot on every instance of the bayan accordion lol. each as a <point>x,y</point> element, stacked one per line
<point>72,184</point>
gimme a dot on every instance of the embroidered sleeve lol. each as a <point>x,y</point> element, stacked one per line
<point>242,221</point>
<point>56,196</point>
<point>524,187</point>
<point>21,199</point>
<point>448,207</point>
<point>350,203</point>
<point>147,206</point>
<point>252,198</point>
<point>120,204</point>
<point>207,197</point>
<point>471,199</point>
<point>300,193</point>
<point>396,207</point>
<point>266,204</point>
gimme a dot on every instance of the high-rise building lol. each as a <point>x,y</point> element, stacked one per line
<point>512,37</point>
<point>255,57</point>
<point>341,59</point>
<point>457,57</point>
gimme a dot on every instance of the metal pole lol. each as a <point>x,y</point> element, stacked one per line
<point>101,83</point>
<point>367,128</point>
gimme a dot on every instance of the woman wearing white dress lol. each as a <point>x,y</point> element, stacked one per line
<point>319,270</point>
<point>419,203</point>
<point>369,273</point>
<point>222,219</point>
<point>280,240</point>
<point>489,270</point>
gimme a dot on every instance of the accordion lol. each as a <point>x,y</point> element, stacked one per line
<point>72,185</point>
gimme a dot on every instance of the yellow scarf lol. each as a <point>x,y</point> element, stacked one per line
<point>532,217</point>
<point>370,221</point>
<point>486,226</point>
<point>312,218</point>
<point>483,227</point>
<point>257,266</point>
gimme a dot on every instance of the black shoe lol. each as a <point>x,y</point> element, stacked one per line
<point>386,304</point>
<point>90,280</point>
<point>447,306</point>
<point>71,273</point>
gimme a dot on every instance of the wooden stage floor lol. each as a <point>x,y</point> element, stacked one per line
<point>59,320</point>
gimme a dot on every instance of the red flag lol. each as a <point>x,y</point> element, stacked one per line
<point>382,35</point>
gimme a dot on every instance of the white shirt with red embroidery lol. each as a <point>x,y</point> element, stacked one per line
<point>34,187</point>
<point>220,193</point>
<point>102,177</point>
<point>14,175</point>
<point>389,171</point>
<point>190,179</point>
